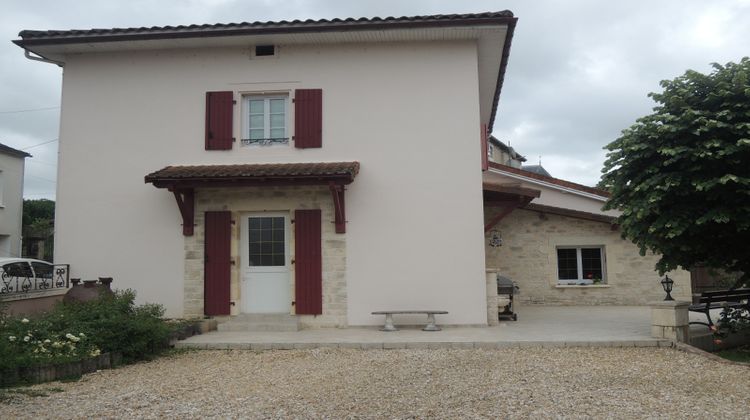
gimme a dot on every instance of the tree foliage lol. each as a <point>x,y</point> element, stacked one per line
<point>681,176</point>
<point>34,210</point>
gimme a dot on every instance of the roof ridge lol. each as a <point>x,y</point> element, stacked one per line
<point>27,34</point>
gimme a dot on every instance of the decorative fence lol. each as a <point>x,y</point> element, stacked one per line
<point>23,277</point>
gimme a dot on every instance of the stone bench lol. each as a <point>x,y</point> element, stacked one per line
<point>430,319</point>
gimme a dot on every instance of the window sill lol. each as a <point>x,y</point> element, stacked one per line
<point>582,286</point>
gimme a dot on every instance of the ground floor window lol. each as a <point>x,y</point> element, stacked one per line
<point>580,265</point>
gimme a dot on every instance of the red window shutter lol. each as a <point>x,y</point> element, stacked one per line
<point>219,111</point>
<point>218,261</point>
<point>308,118</point>
<point>485,148</point>
<point>308,266</point>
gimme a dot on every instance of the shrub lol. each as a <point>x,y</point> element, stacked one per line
<point>76,331</point>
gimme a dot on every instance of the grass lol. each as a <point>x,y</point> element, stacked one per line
<point>740,354</point>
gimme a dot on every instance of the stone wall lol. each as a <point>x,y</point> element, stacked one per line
<point>529,257</point>
<point>276,199</point>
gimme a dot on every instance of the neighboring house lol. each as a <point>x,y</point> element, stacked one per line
<point>12,163</point>
<point>537,169</point>
<point>291,167</point>
<point>500,152</point>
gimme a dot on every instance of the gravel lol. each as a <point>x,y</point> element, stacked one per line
<point>341,383</point>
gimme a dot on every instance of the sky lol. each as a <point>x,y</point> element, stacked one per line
<point>579,70</point>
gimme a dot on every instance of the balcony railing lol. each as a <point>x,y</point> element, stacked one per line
<point>20,281</point>
<point>265,142</point>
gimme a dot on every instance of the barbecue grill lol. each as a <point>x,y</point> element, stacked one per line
<point>506,287</point>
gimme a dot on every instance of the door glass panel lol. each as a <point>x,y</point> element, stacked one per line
<point>266,241</point>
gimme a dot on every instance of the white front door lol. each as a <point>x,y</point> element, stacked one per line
<point>265,284</point>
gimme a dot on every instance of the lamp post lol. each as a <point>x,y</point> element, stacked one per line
<point>666,284</point>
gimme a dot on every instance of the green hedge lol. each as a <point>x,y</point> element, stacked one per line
<point>78,331</point>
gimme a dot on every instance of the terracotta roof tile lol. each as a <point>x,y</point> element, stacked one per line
<point>346,170</point>
<point>290,26</point>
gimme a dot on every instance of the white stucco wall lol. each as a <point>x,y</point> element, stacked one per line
<point>408,112</point>
<point>11,203</point>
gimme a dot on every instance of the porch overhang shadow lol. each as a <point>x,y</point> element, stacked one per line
<point>507,196</point>
<point>183,180</point>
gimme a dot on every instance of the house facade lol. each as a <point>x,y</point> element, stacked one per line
<point>12,163</point>
<point>561,248</point>
<point>289,167</point>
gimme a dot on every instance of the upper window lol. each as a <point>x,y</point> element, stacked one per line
<point>265,120</point>
<point>580,265</point>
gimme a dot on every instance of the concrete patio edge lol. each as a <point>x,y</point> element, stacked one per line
<point>419,345</point>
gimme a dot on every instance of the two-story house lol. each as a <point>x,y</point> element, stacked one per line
<point>325,168</point>
<point>321,170</point>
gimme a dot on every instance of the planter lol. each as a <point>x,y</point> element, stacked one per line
<point>116,359</point>
<point>9,377</point>
<point>103,361</point>
<point>89,365</point>
<point>37,374</point>
<point>69,370</point>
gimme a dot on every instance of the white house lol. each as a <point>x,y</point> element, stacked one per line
<point>324,169</point>
<point>359,211</point>
<point>12,162</point>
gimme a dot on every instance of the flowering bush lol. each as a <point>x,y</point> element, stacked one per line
<point>77,331</point>
<point>731,321</point>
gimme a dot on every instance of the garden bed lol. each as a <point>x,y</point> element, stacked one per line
<point>81,337</point>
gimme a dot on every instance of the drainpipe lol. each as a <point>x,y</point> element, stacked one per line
<point>28,55</point>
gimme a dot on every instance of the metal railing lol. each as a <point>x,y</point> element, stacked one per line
<point>15,282</point>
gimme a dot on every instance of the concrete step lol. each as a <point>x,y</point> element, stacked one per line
<point>260,322</point>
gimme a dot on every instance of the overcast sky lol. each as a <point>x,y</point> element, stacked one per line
<point>578,74</point>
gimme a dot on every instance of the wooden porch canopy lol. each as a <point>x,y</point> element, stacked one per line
<point>508,196</point>
<point>183,180</point>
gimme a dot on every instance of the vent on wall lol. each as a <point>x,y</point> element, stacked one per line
<point>265,50</point>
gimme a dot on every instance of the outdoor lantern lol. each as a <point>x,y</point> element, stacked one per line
<point>667,284</point>
<point>495,239</point>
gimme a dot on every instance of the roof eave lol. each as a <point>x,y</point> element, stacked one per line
<point>268,30</point>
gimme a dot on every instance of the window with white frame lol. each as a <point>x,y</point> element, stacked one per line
<point>580,265</point>
<point>265,120</point>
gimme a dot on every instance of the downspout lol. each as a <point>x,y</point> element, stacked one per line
<point>28,55</point>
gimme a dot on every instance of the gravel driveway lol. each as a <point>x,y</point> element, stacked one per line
<point>338,383</point>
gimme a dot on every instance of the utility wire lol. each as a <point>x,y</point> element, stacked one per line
<point>42,178</point>
<point>40,144</point>
<point>18,111</point>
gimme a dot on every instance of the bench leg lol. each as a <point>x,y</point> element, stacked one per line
<point>388,323</point>
<point>431,324</point>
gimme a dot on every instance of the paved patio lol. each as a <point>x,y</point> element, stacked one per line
<point>546,326</point>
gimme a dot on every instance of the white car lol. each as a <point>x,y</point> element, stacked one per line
<point>26,267</point>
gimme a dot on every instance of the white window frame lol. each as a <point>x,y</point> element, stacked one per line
<point>579,265</point>
<point>266,119</point>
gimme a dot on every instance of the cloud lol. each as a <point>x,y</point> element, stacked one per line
<point>579,70</point>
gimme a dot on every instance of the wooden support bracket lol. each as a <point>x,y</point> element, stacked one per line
<point>506,210</point>
<point>339,208</point>
<point>186,202</point>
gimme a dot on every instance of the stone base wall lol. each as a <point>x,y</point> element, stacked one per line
<point>273,199</point>
<point>528,256</point>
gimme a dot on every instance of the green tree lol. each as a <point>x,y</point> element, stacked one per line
<point>34,210</point>
<point>681,176</point>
